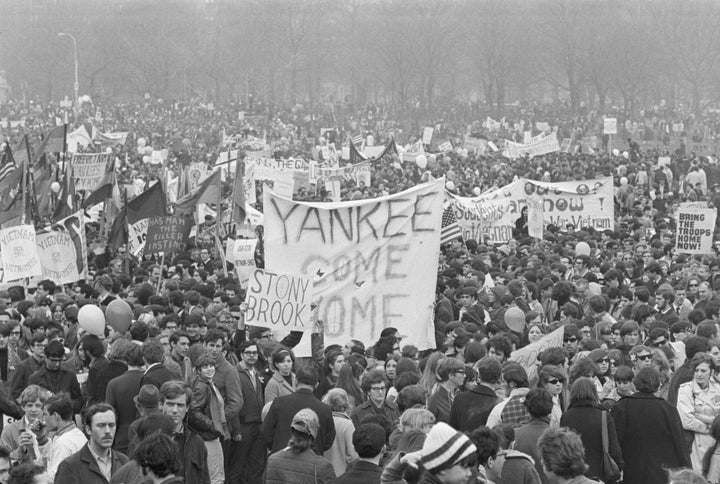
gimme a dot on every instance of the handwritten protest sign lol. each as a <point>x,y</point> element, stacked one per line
<point>363,257</point>
<point>167,234</point>
<point>20,257</point>
<point>89,169</point>
<point>536,147</point>
<point>427,135</point>
<point>62,249</point>
<point>277,300</point>
<point>527,356</point>
<point>695,229</point>
<point>610,126</point>
<point>241,252</point>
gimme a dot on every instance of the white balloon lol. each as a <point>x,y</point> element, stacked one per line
<point>142,142</point>
<point>148,150</point>
<point>108,150</point>
<point>450,185</point>
<point>623,181</point>
<point>421,161</point>
<point>626,155</point>
<point>55,187</point>
<point>476,191</point>
<point>146,159</point>
<point>616,152</point>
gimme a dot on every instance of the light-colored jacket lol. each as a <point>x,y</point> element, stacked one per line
<point>693,401</point>
<point>278,386</point>
<point>342,452</point>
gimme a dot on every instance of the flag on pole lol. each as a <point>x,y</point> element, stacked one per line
<point>208,191</point>
<point>238,210</point>
<point>450,230</point>
<point>355,155</point>
<point>357,140</point>
<point>54,142</point>
<point>102,192</point>
<point>7,163</point>
<point>66,198</point>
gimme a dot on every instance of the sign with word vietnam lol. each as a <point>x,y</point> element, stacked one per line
<point>62,248</point>
<point>279,301</point>
<point>167,234</point>
<point>491,217</point>
<point>363,257</point>
<point>695,229</point>
<point>20,257</point>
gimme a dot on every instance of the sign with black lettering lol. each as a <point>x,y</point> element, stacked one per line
<point>279,301</point>
<point>695,229</point>
<point>167,234</point>
<point>373,262</point>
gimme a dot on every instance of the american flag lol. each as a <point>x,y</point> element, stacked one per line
<point>450,230</point>
<point>7,163</point>
<point>357,140</point>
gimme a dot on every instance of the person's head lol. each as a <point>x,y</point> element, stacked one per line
<point>451,370</point>
<point>583,390</point>
<point>489,371</point>
<point>32,400</point>
<point>205,366</point>
<point>499,347</point>
<point>641,356</point>
<point>514,375</point>
<point>489,453</point>
<point>694,345</point>
<point>647,380</point>
<point>417,419</point>
<point>179,344</point>
<point>630,333</point>
<point>369,440</point>
<point>158,456</point>
<point>337,399</point>
<point>374,383</point>
<point>447,454</point>
<point>551,378</point>
<point>93,346</point>
<point>175,398</point>
<point>249,353</point>
<point>562,453</point>
<point>58,411</point>
<point>54,355</point>
<point>27,473</point>
<point>411,396</point>
<point>100,422</point>
<point>283,360</point>
<point>539,402</point>
<point>703,368</point>
<point>303,430</point>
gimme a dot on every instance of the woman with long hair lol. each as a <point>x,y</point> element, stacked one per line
<point>349,380</point>
<point>552,378</point>
<point>661,363</point>
<point>429,378</point>
<point>334,362</point>
<point>283,381</point>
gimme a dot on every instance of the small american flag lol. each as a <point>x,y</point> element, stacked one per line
<point>357,140</point>
<point>450,230</point>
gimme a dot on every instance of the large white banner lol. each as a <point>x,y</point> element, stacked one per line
<point>20,257</point>
<point>373,262</point>
<point>492,215</point>
<point>536,147</point>
<point>63,250</point>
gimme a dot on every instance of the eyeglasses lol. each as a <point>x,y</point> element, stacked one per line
<point>462,372</point>
<point>644,357</point>
<point>555,381</point>
<point>603,360</point>
<point>250,353</point>
<point>660,343</point>
<point>693,285</point>
<point>14,333</point>
<point>55,360</point>
<point>378,389</point>
<point>570,340</point>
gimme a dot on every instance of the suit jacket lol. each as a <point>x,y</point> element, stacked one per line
<point>157,375</point>
<point>471,409</point>
<point>526,441</point>
<point>20,378</point>
<point>81,467</point>
<point>362,472</point>
<point>112,370</point>
<point>276,427</point>
<point>93,387</point>
<point>120,393</point>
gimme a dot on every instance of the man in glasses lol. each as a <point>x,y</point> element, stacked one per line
<point>246,459</point>
<point>641,357</point>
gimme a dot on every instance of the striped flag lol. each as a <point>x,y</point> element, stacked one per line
<point>450,230</point>
<point>357,140</point>
<point>7,163</point>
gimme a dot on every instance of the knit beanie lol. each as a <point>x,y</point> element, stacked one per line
<point>444,447</point>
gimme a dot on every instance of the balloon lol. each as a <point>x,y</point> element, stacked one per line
<point>92,319</point>
<point>142,142</point>
<point>626,155</point>
<point>582,248</point>
<point>108,150</point>
<point>450,185</point>
<point>146,159</point>
<point>148,150</point>
<point>623,181</point>
<point>421,161</point>
<point>55,187</point>
<point>164,152</point>
<point>515,319</point>
<point>616,152</point>
<point>141,150</point>
<point>186,143</point>
<point>119,315</point>
<point>476,191</point>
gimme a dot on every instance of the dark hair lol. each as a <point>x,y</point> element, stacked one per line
<point>173,389</point>
<point>94,409</point>
<point>93,345</point>
<point>153,351</point>
<point>410,396</point>
<point>487,443</point>
<point>647,380</point>
<point>307,375</point>
<point>501,343</point>
<point>279,355</point>
<point>299,441</point>
<point>139,331</point>
<point>489,370</point>
<point>562,452</point>
<point>695,344</point>
<point>25,473</point>
<point>213,335</point>
<point>372,377</point>
<point>583,390</point>
<point>134,356</point>
<point>158,453</point>
<point>368,440</point>
<point>60,404</point>
<point>539,402</point>
<point>54,349</point>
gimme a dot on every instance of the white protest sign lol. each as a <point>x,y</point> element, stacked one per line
<point>427,135</point>
<point>89,169</point>
<point>695,229</point>
<point>610,126</point>
<point>284,186</point>
<point>20,257</point>
<point>279,301</point>
<point>62,249</point>
<point>363,256</point>
<point>241,253</point>
<point>137,234</point>
<point>663,161</point>
<point>527,356</point>
<point>537,146</point>
<point>445,146</point>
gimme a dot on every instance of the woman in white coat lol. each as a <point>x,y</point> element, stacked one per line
<point>342,451</point>
<point>698,405</point>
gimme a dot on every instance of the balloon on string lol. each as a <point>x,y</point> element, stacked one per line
<point>450,185</point>
<point>626,155</point>
<point>582,248</point>
<point>616,152</point>
<point>515,319</point>
<point>623,181</point>
<point>476,191</point>
<point>421,161</point>
<point>142,142</point>
<point>119,315</point>
<point>91,319</point>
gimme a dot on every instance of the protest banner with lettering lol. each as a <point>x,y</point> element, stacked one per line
<point>363,257</point>
<point>62,249</point>
<point>610,126</point>
<point>492,215</point>
<point>427,135</point>
<point>279,301</point>
<point>271,169</point>
<point>565,145</point>
<point>695,229</point>
<point>536,147</point>
<point>137,234</point>
<point>527,356</point>
<point>167,234</point>
<point>197,173</point>
<point>241,252</point>
<point>20,258</point>
<point>284,187</point>
<point>89,169</point>
<point>475,144</point>
<point>445,146</point>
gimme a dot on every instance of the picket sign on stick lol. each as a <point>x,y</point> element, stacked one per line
<point>527,356</point>
<point>279,301</point>
<point>695,229</point>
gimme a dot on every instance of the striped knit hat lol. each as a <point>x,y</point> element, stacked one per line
<point>444,447</point>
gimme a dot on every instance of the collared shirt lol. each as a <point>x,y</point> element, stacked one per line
<point>104,463</point>
<point>152,366</point>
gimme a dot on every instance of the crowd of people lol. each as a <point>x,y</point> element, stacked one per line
<point>189,393</point>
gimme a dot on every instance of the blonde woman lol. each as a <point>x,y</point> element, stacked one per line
<point>342,452</point>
